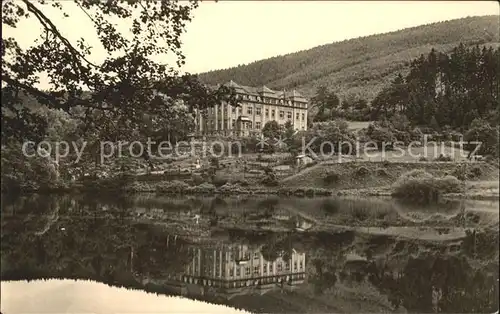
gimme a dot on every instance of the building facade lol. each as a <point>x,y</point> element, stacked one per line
<point>229,270</point>
<point>257,107</point>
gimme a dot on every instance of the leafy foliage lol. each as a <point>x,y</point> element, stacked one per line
<point>125,97</point>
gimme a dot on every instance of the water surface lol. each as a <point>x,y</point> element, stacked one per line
<point>279,255</point>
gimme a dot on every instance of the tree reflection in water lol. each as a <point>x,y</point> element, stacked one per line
<point>81,237</point>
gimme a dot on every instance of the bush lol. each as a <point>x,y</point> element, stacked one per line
<point>476,172</point>
<point>442,157</point>
<point>197,178</point>
<point>219,181</point>
<point>460,172</point>
<point>423,159</point>
<point>448,184</point>
<point>203,188</point>
<point>241,182</point>
<point>268,159</point>
<point>362,171</point>
<point>420,186</point>
<point>381,172</point>
<point>214,162</point>
<point>174,186</point>
<point>332,177</point>
<point>270,180</point>
<point>416,173</point>
<point>232,188</point>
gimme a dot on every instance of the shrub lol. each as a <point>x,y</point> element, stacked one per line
<point>362,171</point>
<point>322,192</point>
<point>417,173</point>
<point>476,172</point>
<point>460,172</point>
<point>448,184</point>
<point>422,159</point>
<point>270,180</point>
<point>203,188</point>
<point>241,182</point>
<point>420,186</point>
<point>219,181</point>
<point>214,162</point>
<point>232,188</point>
<point>174,186</point>
<point>197,178</point>
<point>331,177</point>
<point>442,157</point>
<point>300,192</point>
<point>381,172</point>
<point>264,158</point>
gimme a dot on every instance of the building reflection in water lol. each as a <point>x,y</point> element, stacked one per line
<point>230,270</point>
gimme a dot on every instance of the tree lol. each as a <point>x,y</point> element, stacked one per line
<point>271,130</point>
<point>327,103</point>
<point>481,131</point>
<point>121,97</point>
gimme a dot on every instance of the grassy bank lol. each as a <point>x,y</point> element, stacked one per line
<point>323,179</point>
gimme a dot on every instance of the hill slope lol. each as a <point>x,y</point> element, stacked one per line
<point>363,65</point>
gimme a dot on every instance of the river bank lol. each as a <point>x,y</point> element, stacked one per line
<point>362,179</point>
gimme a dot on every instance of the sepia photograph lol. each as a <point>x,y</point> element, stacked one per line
<point>231,156</point>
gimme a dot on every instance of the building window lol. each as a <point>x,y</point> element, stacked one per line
<point>226,123</point>
<point>267,112</point>
<point>257,111</point>
<point>265,269</point>
<point>257,126</point>
<point>270,268</point>
<point>303,116</point>
<point>256,269</point>
<point>256,254</point>
<point>280,267</point>
<point>287,266</point>
<point>249,110</point>
<point>282,114</point>
<point>233,109</point>
<point>289,115</point>
<point>237,271</point>
<point>232,124</point>
<point>297,116</point>
<point>295,266</point>
<point>273,113</point>
<point>300,265</point>
<point>247,271</point>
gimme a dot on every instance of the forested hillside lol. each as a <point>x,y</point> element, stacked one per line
<point>361,66</point>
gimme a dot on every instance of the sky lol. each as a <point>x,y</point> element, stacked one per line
<point>229,33</point>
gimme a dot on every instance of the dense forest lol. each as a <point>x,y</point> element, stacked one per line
<point>360,66</point>
<point>445,90</point>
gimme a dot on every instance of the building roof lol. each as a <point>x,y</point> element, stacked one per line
<point>264,90</point>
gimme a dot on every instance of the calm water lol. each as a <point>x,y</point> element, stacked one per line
<point>212,255</point>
